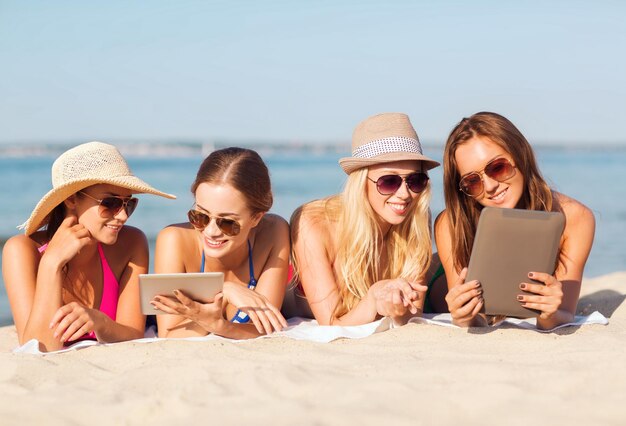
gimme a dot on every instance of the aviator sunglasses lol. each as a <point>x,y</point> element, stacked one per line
<point>389,184</point>
<point>111,206</point>
<point>499,169</point>
<point>200,220</point>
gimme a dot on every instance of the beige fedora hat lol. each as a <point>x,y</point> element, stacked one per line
<point>384,138</point>
<point>88,164</point>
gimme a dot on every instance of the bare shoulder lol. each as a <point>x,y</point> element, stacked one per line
<point>131,237</point>
<point>314,218</point>
<point>176,233</point>
<point>576,213</point>
<point>442,221</point>
<point>442,229</point>
<point>20,245</point>
<point>273,223</point>
<point>272,231</point>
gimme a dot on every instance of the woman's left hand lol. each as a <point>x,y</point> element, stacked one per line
<point>265,316</point>
<point>548,297</point>
<point>206,315</point>
<point>74,320</point>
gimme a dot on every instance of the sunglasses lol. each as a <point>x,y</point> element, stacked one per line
<point>201,220</point>
<point>111,206</point>
<point>389,184</point>
<point>499,169</point>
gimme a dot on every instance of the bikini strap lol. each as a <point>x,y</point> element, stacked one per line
<point>202,263</point>
<point>252,283</point>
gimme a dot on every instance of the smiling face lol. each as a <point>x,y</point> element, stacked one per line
<point>224,201</point>
<point>473,156</point>
<point>103,227</point>
<point>391,209</point>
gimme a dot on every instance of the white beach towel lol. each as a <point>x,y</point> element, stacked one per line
<point>307,329</point>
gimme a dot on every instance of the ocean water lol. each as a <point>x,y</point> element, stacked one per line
<point>595,177</point>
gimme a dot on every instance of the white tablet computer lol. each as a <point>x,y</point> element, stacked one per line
<point>200,286</point>
<point>509,244</point>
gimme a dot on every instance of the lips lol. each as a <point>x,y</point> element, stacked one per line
<point>114,228</point>
<point>399,208</point>
<point>499,197</point>
<point>214,244</point>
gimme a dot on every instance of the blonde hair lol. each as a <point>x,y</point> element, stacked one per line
<point>359,241</point>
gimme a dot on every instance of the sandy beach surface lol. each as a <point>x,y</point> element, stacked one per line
<point>416,374</point>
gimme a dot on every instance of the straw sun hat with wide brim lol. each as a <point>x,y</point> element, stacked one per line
<point>88,164</point>
<point>385,138</point>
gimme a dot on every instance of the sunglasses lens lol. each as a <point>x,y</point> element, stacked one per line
<point>472,184</point>
<point>198,219</point>
<point>112,205</point>
<point>201,220</point>
<point>417,182</point>
<point>228,226</point>
<point>131,205</point>
<point>388,184</point>
<point>500,169</point>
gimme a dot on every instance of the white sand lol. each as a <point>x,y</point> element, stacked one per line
<point>417,374</point>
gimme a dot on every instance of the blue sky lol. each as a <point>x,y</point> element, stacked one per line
<point>308,71</point>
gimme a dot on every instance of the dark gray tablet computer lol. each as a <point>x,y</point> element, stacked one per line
<point>509,244</point>
<point>200,286</point>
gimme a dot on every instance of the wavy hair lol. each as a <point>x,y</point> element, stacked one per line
<point>463,211</point>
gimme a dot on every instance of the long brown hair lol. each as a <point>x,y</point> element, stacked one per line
<point>463,211</point>
<point>244,170</point>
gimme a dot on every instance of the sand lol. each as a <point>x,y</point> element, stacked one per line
<point>416,374</point>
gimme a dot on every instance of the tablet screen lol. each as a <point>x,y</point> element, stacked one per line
<point>200,286</point>
<point>510,243</point>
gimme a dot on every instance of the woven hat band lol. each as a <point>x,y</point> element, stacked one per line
<point>387,145</point>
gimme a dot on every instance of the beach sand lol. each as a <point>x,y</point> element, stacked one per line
<point>417,374</point>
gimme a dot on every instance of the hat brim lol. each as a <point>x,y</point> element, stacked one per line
<point>350,164</point>
<point>54,197</point>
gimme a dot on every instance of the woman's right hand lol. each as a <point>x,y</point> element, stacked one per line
<point>464,300</point>
<point>68,240</point>
<point>395,296</point>
<point>265,316</point>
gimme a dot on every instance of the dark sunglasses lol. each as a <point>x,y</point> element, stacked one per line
<point>111,206</point>
<point>499,169</point>
<point>389,184</point>
<point>201,220</point>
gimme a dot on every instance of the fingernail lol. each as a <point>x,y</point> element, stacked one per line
<point>176,292</point>
<point>480,291</point>
<point>530,275</point>
<point>520,298</point>
<point>522,286</point>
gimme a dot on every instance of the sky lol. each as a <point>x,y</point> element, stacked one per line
<point>308,71</point>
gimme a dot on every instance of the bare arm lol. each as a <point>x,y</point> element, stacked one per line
<point>34,282</point>
<point>21,264</point>
<point>313,247</point>
<point>169,258</point>
<point>273,238</point>
<point>557,299</point>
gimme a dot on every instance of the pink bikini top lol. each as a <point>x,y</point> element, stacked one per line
<point>110,290</point>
